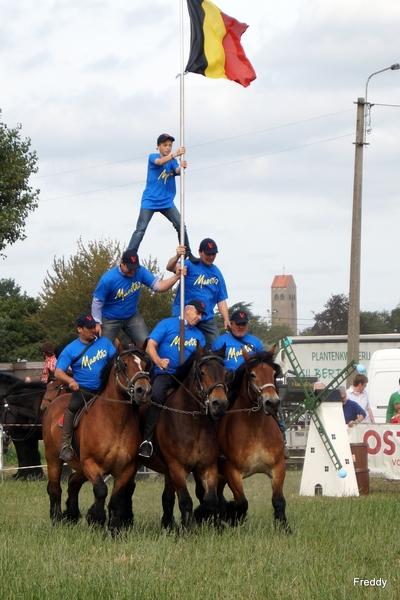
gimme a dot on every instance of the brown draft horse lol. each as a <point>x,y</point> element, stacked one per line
<point>185,440</point>
<point>250,438</point>
<point>54,389</point>
<point>108,438</point>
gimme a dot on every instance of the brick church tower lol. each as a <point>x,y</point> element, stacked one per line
<point>284,302</point>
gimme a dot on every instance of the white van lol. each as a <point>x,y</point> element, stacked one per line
<point>383,380</point>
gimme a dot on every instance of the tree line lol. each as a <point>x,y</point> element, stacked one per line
<point>26,322</point>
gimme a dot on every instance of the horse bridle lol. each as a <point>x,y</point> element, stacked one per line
<point>59,389</point>
<point>119,369</point>
<point>205,394</point>
<point>251,386</point>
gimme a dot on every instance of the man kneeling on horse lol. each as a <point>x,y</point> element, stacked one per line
<point>85,356</point>
<point>163,347</point>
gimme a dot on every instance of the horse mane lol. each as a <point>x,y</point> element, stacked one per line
<point>7,379</point>
<point>263,356</point>
<point>18,386</point>
<point>105,373</point>
<point>183,370</point>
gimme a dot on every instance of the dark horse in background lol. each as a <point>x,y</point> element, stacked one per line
<point>106,441</point>
<point>185,440</point>
<point>250,438</point>
<point>20,404</point>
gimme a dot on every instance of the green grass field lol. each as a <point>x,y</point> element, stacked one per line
<point>334,540</point>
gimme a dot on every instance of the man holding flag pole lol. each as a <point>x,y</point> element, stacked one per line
<point>216,52</point>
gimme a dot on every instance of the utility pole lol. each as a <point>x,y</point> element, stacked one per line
<point>353,331</point>
<point>353,340</point>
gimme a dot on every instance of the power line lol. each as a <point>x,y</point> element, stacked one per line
<point>198,145</point>
<point>241,160</point>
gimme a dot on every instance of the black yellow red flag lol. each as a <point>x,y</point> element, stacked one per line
<point>215,44</point>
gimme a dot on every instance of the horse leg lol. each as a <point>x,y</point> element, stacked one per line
<point>120,513</point>
<point>222,503</point>
<point>75,482</point>
<point>278,499</point>
<point>168,503</point>
<point>54,489</point>
<point>236,511</point>
<point>96,515</point>
<point>178,478</point>
<point>127,516</point>
<point>208,509</point>
<point>28,456</point>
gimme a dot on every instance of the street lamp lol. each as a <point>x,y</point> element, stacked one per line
<point>353,332</point>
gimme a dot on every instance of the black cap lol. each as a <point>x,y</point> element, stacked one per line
<point>85,321</point>
<point>164,137</point>
<point>239,316</point>
<point>199,306</point>
<point>131,260</point>
<point>208,246</point>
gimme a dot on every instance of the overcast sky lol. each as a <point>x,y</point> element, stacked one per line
<point>271,167</point>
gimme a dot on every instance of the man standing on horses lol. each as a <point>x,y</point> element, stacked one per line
<point>163,347</point>
<point>86,356</point>
<point>205,282</point>
<point>237,338</point>
<point>116,297</point>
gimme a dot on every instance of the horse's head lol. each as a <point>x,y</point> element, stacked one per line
<point>261,379</point>
<point>132,370</point>
<point>53,390</point>
<point>210,380</point>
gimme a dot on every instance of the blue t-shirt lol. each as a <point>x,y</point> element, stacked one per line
<point>351,411</point>
<point>120,293</point>
<point>86,371</point>
<point>205,283</point>
<point>167,336</point>
<point>234,348</point>
<point>160,187</point>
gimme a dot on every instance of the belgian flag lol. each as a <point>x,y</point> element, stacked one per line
<point>215,48</point>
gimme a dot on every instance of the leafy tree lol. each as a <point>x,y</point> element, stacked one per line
<point>20,336</point>
<point>17,199</point>
<point>334,319</point>
<point>375,322</point>
<point>69,290</point>
<point>395,319</point>
<point>154,306</point>
<point>277,333</point>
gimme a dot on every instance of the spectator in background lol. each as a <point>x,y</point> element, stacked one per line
<point>357,393</point>
<point>353,412</point>
<point>47,349</point>
<point>396,418</point>
<point>394,398</point>
<point>318,386</point>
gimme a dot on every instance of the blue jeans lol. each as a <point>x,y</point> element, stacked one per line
<point>145,216</point>
<point>209,329</point>
<point>135,328</point>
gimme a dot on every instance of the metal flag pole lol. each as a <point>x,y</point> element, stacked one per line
<point>182,188</point>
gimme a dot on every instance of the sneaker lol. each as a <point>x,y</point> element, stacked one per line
<point>192,258</point>
<point>286,452</point>
<point>146,449</point>
<point>66,453</point>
